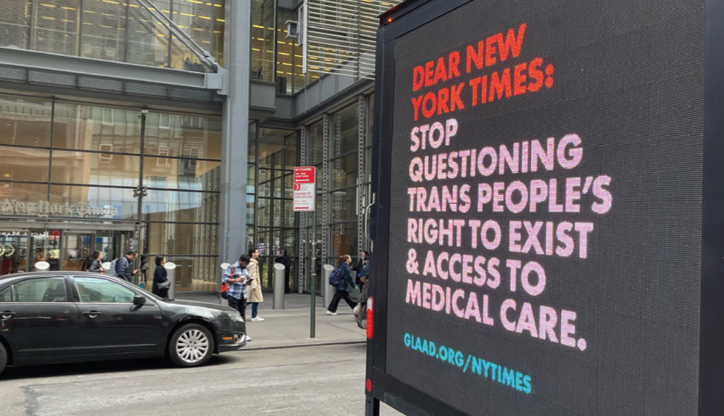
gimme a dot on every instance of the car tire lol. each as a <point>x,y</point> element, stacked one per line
<point>3,358</point>
<point>191,345</point>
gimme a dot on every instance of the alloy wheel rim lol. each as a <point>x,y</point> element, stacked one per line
<point>192,346</point>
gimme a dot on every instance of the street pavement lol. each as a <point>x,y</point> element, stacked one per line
<point>290,327</point>
<point>282,371</point>
<point>314,380</point>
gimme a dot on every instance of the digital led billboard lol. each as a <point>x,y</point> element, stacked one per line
<point>544,252</point>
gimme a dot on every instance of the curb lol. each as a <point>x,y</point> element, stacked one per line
<point>318,344</point>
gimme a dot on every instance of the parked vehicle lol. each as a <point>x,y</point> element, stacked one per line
<point>61,317</point>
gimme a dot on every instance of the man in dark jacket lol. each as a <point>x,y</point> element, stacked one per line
<point>123,266</point>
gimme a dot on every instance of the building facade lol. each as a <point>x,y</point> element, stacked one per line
<point>172,127</point>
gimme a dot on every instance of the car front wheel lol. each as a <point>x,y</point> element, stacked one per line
<point>3,358</point>
<point>191,345</point>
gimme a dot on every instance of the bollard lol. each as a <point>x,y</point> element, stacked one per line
<point>329,290</point>
<point>278,286</point>
<point>171,275</point>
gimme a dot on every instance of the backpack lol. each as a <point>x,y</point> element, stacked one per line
<point>336,277</point>
<point>112,271</point>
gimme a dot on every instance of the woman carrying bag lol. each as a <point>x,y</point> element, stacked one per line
<point>160,278</point>
<point>345,281</point>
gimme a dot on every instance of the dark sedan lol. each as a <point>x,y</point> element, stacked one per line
<point>54,317</point>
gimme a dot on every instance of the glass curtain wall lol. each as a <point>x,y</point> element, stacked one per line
<point>274,57</point>
<point>120,31</point>
<point>79,162</point>
<point>275,220</point>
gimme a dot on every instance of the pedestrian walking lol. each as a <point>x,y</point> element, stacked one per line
<point>95,262</point>
<point>123,266</point>
<point>161,285</point>
<point>360,266</point>
<point>345,282</point>
<point>237,276</point>
<point>255,296</point>
<point>284,259</point>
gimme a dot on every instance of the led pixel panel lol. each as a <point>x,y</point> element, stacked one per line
<point>546,207</point>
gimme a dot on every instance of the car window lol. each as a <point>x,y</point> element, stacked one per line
<point>50,289</point>
<point>5,295</point>
<point>93,290</point>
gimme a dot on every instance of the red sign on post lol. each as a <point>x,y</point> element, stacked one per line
<point>304,189</point>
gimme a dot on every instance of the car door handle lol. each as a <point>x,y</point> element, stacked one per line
<point>92,314</point>
<point>8,314</point>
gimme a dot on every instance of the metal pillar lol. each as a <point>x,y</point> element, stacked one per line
<point>329,290</point>
<point>361,174</point>
<point>303,234</point>
<point>325,187</point>
<point>235,132</point>
<point>312,314</point>
<point>278,286</point>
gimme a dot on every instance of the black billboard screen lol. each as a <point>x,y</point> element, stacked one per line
<point>545,208</point>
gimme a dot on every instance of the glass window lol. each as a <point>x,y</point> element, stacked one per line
<point>104,30</point>
<point>195,273</point>
<point>343,239</point>
<point>344,171</point>
<point>40,290</point>
<point>15,23</point>
<point>95,168</point>
<point>102,129</point>
<point>346,122</point>
<point>186,174</point>
<point>183,136</point>
<point>219,20</point>
<point>344,205</point>
<point>272,148</point>
<point>18,195</point>
<point>194,18</point>
<point>92,202</point>
<point>24,164</point>
<point>25,122</point>
<point>285,54</point>
<point>5,294</point>
<point>250,209</point>
<point>180,206</point>
<point>316,143</point>
<point>262,40</point>
<point>56,27</point>
<point>148,42</point>
<point>190,239</point>
<point>92,290</point>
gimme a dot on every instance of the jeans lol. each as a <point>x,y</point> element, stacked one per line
<point>239,305</point>
<point>341,294</point>
<point>254,309</point>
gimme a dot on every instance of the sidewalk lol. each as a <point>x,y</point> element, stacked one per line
<point>289,327</point>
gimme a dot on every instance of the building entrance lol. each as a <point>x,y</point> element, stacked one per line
<point>63,249</point>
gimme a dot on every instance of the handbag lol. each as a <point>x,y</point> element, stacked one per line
<point>224,290</point>
<point>164,286</point>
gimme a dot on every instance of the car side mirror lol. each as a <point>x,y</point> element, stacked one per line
<point>139,300</point>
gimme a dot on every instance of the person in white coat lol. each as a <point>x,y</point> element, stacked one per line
<point>255,296</point>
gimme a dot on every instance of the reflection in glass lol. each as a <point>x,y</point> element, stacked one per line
<point>262,40</point>
<point>194,17</point>
<point>344,205</point>
<point>345,121</point>
<point>104,30</point>
<point>95,168</point>
<point>102,129</point>
<point>13,251</point>
<point>344,239</point>
<point>20,198</point>
<point>344,171</point>
<point>56,27</point>
<point>147,41</point>
<point>186,174</point>
<point>183,136</point>
<point>14,23</point>
<point>92,202</point>
<point>170,238</point>
<point>24,164</point>
<point>181,206</point>
<point>25,121</point>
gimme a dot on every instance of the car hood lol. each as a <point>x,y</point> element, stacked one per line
<point>191,303</point>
